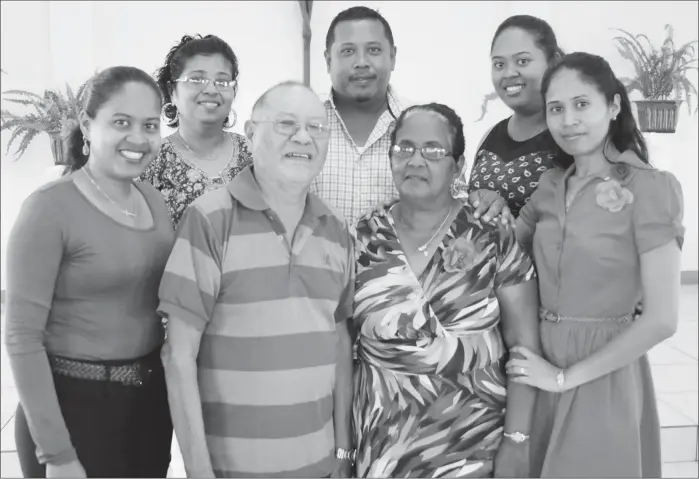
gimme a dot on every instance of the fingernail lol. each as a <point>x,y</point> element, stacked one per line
<point>486,218</point>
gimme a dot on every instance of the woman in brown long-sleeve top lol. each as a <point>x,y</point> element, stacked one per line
<point>85,258</point>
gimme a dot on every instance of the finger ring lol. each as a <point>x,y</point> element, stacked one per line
<point>521,370</point>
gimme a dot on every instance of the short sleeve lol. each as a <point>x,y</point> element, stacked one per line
<point>192,276</point>
<point>345,307</point>
<point>154,171</point>
<point>514,265</point>
<point>658,208</point>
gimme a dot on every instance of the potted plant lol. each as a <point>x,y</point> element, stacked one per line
<point>53,113</point>
<point>660,76</point>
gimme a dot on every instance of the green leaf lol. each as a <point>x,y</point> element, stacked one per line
<point>25,142</point>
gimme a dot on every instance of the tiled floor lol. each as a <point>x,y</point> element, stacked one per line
<point>674,365</point>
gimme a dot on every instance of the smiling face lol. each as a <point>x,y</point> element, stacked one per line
<point>517,67</point>
<point>124,136</point>
<point>417,178</point>
<point>360,60</point>
<point>578,114</point>
<point>204,103</point>
<point>278,152</point>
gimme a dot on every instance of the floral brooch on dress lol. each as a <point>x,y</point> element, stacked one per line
<point>460,255</point>
<point>612,196</point>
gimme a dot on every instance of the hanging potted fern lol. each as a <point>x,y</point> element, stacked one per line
<point>660,76</point>
<point>53,113</point>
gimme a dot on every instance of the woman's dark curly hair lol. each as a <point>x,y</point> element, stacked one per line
<point>458,141</point>
<point>177,57</point>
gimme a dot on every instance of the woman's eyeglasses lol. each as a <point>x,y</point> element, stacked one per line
<point>201,83</point>
<point>431,153</point>
<point>290,127</point>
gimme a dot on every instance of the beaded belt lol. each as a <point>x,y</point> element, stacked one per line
<point>130,374</point>
<point>557,318</point>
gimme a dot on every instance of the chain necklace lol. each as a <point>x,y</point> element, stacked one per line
<point>423,249</point>
<point>189,148</point>
<point>123,210</point>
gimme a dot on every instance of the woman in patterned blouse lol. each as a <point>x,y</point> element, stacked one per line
<point>199,83</point>
<point>433,286</point>
<point>517,150</point>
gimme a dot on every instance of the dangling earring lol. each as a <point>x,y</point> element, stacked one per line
<point>163,114</point>
<point>86,147</point>
<point>228,124</point>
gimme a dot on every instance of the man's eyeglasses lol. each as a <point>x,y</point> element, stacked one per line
<point>431,153</point>
<point>290,127</point>
<point>201,83</point>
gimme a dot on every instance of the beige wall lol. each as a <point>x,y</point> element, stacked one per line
<point>443,52</point>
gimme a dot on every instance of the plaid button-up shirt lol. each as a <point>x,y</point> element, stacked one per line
<point>355,179</point>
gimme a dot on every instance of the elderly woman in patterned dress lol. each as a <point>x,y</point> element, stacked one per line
<point>199,83</point>
<point>440,297</point>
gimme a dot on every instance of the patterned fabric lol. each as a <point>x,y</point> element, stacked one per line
<point>268,313</point>
<point>430,385</point>
<point>180,181</point>
<point>591,268</point>
<point>511,168</point>
<point>356,179</point>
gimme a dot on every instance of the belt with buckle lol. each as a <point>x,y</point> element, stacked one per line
<point>557,318</point>
<point>129,374</point>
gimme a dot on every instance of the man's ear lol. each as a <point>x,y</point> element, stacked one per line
<point>248,130</point>
<point>326,54</point>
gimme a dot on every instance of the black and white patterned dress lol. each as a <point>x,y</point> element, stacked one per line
<point>512,168</point>
<point>180,181</point>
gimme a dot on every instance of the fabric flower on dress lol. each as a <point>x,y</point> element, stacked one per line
<point>460,255</point>
<point>612,196</point>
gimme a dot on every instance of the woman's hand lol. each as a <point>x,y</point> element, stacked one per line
<point>70,469</point>
<point>490,204</point>
<point>512,459</point>
<point>532,370</point>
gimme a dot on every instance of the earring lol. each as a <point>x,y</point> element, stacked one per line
<point>228,124</point>
<point>163,113</point>
<point>86,147</point>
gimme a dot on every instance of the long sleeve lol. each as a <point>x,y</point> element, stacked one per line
<point>35,252</point>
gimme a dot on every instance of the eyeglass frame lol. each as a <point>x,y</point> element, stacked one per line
<point>422,152</point>
<point>297,126</point>
<point>206,82</point>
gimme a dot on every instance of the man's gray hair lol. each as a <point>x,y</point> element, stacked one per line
<point>288,83</point>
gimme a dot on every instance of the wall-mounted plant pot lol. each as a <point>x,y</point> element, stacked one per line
<point>57,148</point>
<point>657,116</point>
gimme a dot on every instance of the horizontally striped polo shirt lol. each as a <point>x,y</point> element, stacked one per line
<point>267,312</point>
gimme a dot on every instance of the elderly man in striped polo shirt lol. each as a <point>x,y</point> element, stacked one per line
<point>257,294</point>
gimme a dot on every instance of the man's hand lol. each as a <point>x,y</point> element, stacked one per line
<point>489,204</point>
<point>70,469</point>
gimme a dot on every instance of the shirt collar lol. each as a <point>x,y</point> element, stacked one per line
<point>245,189</point>
<point>394,102</point>
<point>624,167</point>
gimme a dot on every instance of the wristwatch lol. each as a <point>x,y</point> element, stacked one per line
<point>346,454</point>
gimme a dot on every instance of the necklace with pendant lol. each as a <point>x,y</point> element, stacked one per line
<point>122,210</point>
<point>423,249</point>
